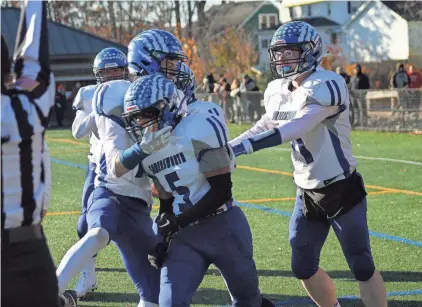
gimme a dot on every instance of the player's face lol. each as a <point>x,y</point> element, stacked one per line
<point>113,73</point>
<point>147,120</point>
<point>169,66</point>
<point>287,57</point>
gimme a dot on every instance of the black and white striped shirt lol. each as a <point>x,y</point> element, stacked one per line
<point>24,118</point>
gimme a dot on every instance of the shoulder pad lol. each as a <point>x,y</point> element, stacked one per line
<point>83,99</point>
<point>207,107</point>
<point>276,94</point>
<point>207,128</point>
<point>325,88</point>
<point>109,98</point>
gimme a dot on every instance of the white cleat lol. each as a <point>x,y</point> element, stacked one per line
<point>87,281</point>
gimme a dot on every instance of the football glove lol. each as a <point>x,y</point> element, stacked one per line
<point>155,140</point>
<point>167,224</point>
<point>243,148</point>
<point>157,257</point>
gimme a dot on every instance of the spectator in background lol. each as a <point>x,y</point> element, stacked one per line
<point>250,84</point>
<point>415,83</point>
<point>240,106</point>
<point>226,103</point>
<point>60,104</point>
<point>253,100</point>
<point>400,78</point>
<point>359,81</point>
<point>341,72</point>
<point>415,78</point>
<point>211,82</point>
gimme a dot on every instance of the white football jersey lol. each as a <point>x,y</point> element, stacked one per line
<point>324,154</point>
<point>83,106</point>
<point>207,107</point>
<point>180,166</point>
<point>108,106</point>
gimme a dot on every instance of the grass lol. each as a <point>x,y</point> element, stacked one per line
<point>395,213</point>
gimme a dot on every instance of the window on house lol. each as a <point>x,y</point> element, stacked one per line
<point>267,21</point>
<point>309,10</point>
<point>262,22</point>
<point>292,13</point>
<point>273,21</point>
<point>264,44</point>
<point>329,8</point>
<point>354,6</point>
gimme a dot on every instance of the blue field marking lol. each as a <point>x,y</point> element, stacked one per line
<point>85,167</point>
<point>349,297</point>
<point>372,233</point>
<point>275,211</point>
<point>302,301</point>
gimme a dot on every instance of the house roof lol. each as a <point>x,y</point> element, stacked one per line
<point>230,14</point>
<point>291,3</point>
<point>409,10</point>
<point>318,21</point>
<point>63,40</point>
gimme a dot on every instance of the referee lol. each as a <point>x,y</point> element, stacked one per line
<point>27,269</point>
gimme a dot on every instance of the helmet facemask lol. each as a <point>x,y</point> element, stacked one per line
<point>290,60</point>
<point>138,121</point>
<point>111,73</point>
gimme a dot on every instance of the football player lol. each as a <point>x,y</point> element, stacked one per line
<point>308,106</point>
<point>118,208</point>
<point>198,219</point>
<point>155,51</point>
<point>109,64</point>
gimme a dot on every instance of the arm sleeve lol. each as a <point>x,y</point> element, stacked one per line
<point>83,124</point>
<point>47,178</point>
<point>219,193</point>
<point>31,56</point>
<point>306,120</point>
<point>264,124</point>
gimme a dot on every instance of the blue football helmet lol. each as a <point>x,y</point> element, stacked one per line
<point>295,36</point>
<point>186,81</point>
<point>110,59</point>
<point>155,99</point>
<point>150,50</point>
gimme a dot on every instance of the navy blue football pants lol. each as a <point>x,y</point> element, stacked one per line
<point>308,236</point>
<point>224,240</point>
<point>129,224</point>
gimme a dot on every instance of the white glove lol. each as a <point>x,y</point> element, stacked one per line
<point>155,141</point>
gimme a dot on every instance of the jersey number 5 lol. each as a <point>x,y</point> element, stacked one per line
<point>181,190</point>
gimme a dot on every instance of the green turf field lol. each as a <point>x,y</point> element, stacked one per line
<point>263,181</point>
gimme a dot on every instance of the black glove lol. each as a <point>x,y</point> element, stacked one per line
<point>157,257</point>
<point>167,224</point>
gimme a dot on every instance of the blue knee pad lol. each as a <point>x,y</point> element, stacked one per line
<point>362,267</point>
<point>82,226</point>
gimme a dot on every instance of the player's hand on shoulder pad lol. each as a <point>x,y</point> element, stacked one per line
<point>155,140</point>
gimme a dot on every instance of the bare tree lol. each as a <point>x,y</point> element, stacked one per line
<point>178,19</point>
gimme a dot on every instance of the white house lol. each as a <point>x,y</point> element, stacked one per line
<point>363,31</point>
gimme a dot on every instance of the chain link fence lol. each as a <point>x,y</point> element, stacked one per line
<point>379,110</point>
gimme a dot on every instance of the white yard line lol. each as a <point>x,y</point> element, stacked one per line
<point>372,158</point>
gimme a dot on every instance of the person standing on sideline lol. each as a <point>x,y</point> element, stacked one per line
<point>28,272</point>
